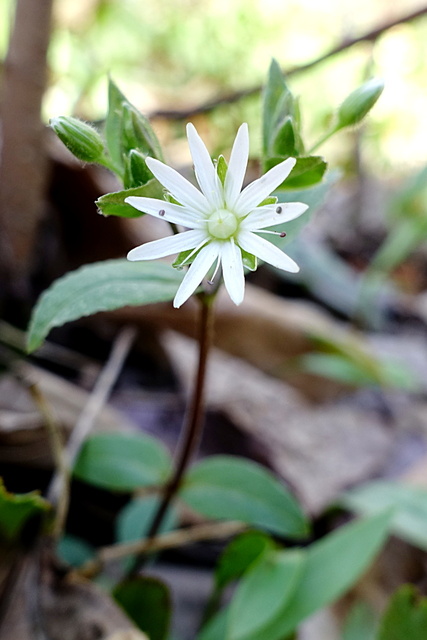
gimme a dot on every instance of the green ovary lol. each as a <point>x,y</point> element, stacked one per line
<point>222,224</point>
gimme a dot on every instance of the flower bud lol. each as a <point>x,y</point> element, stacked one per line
<point>80,138</point>
<point>359,103</point>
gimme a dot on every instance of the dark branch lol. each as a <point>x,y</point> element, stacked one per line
<point>347,43</point>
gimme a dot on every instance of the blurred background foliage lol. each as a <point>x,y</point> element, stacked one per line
<point>178,54</point>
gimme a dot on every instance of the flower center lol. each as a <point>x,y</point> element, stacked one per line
<point>222,224</point>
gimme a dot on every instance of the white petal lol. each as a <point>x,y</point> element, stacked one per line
<point>237,166</point>
<point>167,246</point>
<point>266,251</point>
<point>264,217</point>
<point>181,189</point>
<point>232,270</point>
<point>167,211</point>
<point>260,189</point>
<point>195,274</point>
<point>204,169</point>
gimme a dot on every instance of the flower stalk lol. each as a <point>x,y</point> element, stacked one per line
<point>193,422</point>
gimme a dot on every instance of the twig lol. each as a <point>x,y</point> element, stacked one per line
<point>97,400</point>
<point>347,43</point>
<point>179,538</point>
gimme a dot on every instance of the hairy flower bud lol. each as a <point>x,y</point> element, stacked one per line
<point>356,106</point>
<point>80,138</point>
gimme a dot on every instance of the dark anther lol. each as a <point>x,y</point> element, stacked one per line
<point>283,234</point>
<point>162,212</point>
<point>278,209</point>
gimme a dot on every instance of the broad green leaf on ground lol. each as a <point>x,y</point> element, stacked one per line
<point>227,487</point>
<point>263,593</point>
<point>406,616</point>
<point>17,509</point>
<point>361,623</point>
<point>102,286</point>
<point>122,462</point>
<point>242,551</point>
<point>308,171</point>
<point>409,505</point>
<point>147,601</point>
<point>332,566</point>
<point>113,204</point>
<point>134,520</point>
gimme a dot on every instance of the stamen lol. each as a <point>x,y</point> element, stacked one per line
<point>282,234</point>
<point>218,262</point>
<point>162,212</point>
<point>190,255</point>
<point>279,209</point>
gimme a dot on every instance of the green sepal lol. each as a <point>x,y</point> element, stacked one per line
<point>137,132</point>
<point>269,200</point>
<point>286,140</point>
<point>113,204</point>
<point>221,169</point>
<point>182,260</point>
<point>249,261</point>
<point>80,138</point>
<point>136,171</point>
<point>358,104</point>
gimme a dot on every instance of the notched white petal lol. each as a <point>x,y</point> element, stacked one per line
<point>266,251</point>
<point>166,211</point>
<point>232,270</point>
<point>167,246</point>
<point>264,217</point>
<point>181,189</point>
<point>198,270</point>
<point>237,166</point>
<point>260,189</point>
<point>204,169</point>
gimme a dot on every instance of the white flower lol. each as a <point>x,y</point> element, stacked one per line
<point>221,218</point>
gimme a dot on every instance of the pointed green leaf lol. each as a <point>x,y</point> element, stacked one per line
<point>147,601</point>
<point>102,286</point>
<point>17,509</point>
<point>409,506</point>
<point>113,204</point>
<point>332,566</point>
<point>226,487</point>
<point>284,143</point>
<point>137,173</point>
<point>307,172</point>
<point>113,123</point>
<point>239,554</point>
<point>122,462</point>
<point>134,520</point>
<point>263,593</point>
<point>406,616</point>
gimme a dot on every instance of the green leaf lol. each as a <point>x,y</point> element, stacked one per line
<point>113,124</point>
<point>216,628</point>
<point>285,140</point>
<point>406,616</point>
<point>263,593</point>
<point>278,105</point>
<point>221,169</point>
<point>249,261</point>
<point>137,173</point>
<point>134,520</point>
<point>17,509</point>
<point>226,487</point>
<point>332,566</point>
<point>122,462</point>
<point>360,624</point>
<point>137,132</point>
<point>239,554</point>
<point>147,601</point>
<point>409,506</point>
<point>307,172</point>
<point>102,286</point>
<point>113,204</point>
<point>74,551</point>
